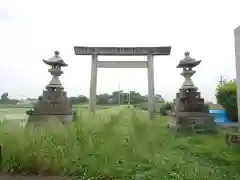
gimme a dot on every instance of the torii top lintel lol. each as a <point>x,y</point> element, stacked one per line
<point>122,51</point>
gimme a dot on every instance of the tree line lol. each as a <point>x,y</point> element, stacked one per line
<point>116,97</point>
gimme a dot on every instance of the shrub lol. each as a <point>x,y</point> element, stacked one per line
<point>226,94</point>
<point>164,108</point>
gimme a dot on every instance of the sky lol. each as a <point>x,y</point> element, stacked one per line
<point>32,30</point>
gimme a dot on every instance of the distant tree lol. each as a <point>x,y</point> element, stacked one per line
<point>226,95</point>
<point>5,100</point>
<point>79,99</point>
<point>136,97</point>
<point>4,96</point>
<point>104,98</point>
<point>82,99</point>
<point>165,107</point>
<point>115,98</point>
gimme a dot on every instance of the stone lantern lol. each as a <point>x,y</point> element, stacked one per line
<point>188,111</point>
<point>53,105</point>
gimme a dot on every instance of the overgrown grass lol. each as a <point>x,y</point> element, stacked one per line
<point>144,106</point>
<point>117,143</point>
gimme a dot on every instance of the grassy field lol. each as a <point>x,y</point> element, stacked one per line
<point>144,106</point>
<point>117,143</point>
<point>17,112</point>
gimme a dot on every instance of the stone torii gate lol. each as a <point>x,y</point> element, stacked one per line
<point>122,51</point>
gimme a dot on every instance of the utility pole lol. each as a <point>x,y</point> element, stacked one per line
<point>221,81</point>
<point>119,93</point>
<point>129,98</point>
<point>121,98</point>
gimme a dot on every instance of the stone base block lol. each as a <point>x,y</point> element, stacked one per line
<point>232,138</point>
<point>50,119</point>
<point>195,124</point>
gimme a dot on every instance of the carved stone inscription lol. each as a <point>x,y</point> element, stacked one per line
<point>127,51</point>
